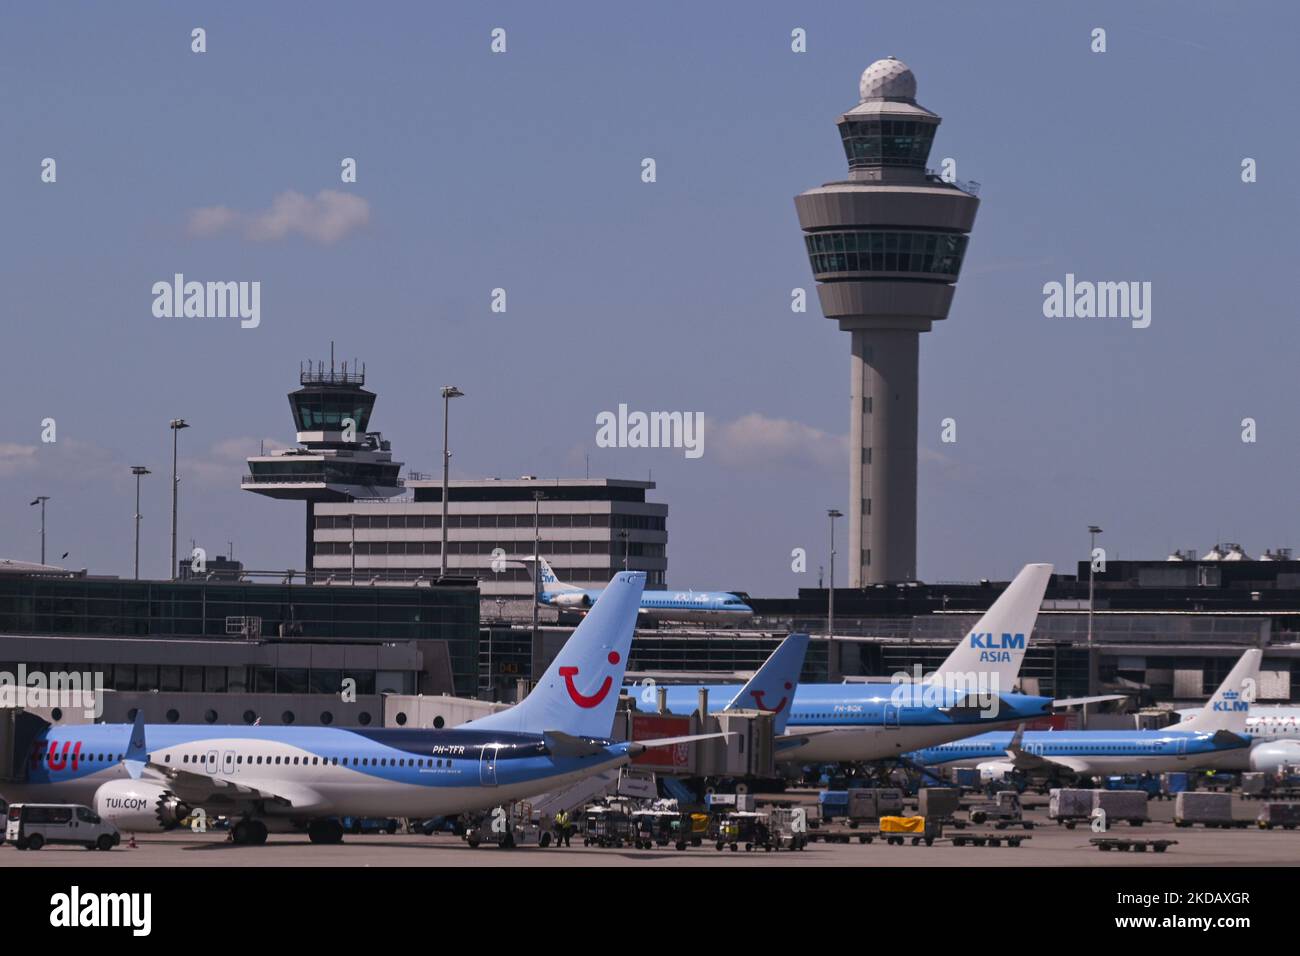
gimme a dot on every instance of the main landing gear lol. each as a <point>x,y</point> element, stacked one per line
<point>325,831</point>
<point>248,833</point>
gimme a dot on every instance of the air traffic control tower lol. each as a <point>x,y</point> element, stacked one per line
<point>886,247</point>
<point>337,458</point>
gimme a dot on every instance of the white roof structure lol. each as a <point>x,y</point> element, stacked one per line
<point>887,79</point>
<point>888,87</point>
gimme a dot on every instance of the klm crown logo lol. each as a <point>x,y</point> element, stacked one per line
<point>1231,703</point>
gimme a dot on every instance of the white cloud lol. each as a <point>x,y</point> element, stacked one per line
<point>328,217</point>
<point>756,440</point>
<point>15,458</point>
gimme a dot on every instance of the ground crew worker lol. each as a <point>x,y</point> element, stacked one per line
<point>562,832</point>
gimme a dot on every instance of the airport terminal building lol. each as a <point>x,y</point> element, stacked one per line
<point>222,650</point>
<point>588,528</point>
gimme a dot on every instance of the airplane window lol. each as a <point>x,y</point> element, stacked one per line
<point>239,760</point>
<point>167,759</point>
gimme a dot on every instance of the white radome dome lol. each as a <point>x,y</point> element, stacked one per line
<point>887,78</point>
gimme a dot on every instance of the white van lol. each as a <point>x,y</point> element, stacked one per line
<point>29,826</point>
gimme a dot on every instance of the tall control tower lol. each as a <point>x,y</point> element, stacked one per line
<point>886,248</point>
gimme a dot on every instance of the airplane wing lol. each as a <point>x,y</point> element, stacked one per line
<point>567,745</point>
<point>638,747</point>
<point>201,789</point>
<point>788,741</point>
<point>1077,701</point>
<point>1023,760</point>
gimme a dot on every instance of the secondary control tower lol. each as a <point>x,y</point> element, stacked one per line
<point>337,459</point>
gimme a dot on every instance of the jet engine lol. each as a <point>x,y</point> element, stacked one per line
<point>572,599</point>
<point>1272,756</point>
<point>139,806</point>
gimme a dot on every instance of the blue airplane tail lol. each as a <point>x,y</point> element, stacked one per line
<point>772,686</point>
<point>578,694</point>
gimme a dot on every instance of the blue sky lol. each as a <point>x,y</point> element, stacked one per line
<point>522,171</point>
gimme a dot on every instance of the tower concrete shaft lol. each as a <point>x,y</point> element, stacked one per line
<point>882,514</point>
<point>886,247</point>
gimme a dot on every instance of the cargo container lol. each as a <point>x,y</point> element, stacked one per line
<point>1208,808</point>
<point>1068,806</point>
<point>1284,815</point>
<point>1127,805</point>
<point>832,804</point>
<point>938,803</point>
<point>1254,784</point>
<point>868,804</point>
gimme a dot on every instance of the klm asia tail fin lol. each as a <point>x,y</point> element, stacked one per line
<point>578,694</point>
<point>991,653</point>
<point>773,685</point>
<point>1230,705</point>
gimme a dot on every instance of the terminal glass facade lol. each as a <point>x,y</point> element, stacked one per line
<point>190,609</point>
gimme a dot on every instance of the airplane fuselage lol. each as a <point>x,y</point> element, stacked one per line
<point>830,723</point>
<point>321,771</point>
<point>1096,752</point>
<point>702,607</point>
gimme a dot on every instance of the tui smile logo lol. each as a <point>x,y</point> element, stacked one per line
<point>758,696</point>
<point>581,699</point>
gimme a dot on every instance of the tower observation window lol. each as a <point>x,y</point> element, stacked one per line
<point>870,143</point>
<point>927,253</point>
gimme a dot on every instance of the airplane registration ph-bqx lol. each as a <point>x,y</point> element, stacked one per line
<point>148,778</point>
<point>715,607</point>
<point>1213,739</point>
<point>969,693</point>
